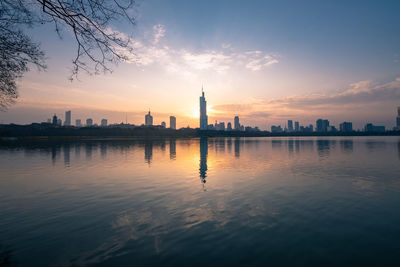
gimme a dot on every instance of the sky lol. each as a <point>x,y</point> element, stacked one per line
<point>265,61</point>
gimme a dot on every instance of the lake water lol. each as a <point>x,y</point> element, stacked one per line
<point>202,202</point>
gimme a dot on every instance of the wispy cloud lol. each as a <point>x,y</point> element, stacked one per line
<point>361,100</point>
<point>187,62</point>
<point>159,32</point>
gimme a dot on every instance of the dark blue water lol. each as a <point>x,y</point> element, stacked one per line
<point>201,202</point>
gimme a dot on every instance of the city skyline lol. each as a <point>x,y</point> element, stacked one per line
<point>321,125</point>
<point>305,67</point>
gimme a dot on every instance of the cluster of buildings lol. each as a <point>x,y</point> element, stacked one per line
<point>148,121</point>
<point>321,125</point>
<point>78,122</point>
<point>221,125</point>
<point>104,123</point>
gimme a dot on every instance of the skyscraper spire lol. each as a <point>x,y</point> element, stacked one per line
<point>203,111</point>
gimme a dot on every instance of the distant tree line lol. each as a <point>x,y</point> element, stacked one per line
<point>44,130</point>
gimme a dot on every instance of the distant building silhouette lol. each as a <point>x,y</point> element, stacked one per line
<point>290,125</point>
<point>229,126</point>
<point>369,127</point>
<point>89,122</point>
<point>172,122</point>
<point>59,122</point>
<point>276,129</point>
<point>203,112</point>
<point>296,126</point>
<point>78,123</point>
<point>346,127</point>
<point>67,121</point>
<point>163,124</point>
<point>236,123</point>
<point>103,123</point>
<point>148,119</point>
<point>219,126</point>
<point>322,126</point>
<point>55,120</point>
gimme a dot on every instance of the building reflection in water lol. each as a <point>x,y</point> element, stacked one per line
<point>398,148</point>
<point>229,145</point>
<point>66,150</point>
<point>148,151</point>
<point>203,158</point>
<point>290,146</point>
<point>55,151</point>
<point>237,147</point>
<point>88,151</point>
<point>77,151</point>
<point>103,150</point>
<point>323,147</point>
<point>346,146</point>
<point>172,149</point>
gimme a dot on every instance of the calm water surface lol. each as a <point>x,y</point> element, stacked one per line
<point>202,202</point>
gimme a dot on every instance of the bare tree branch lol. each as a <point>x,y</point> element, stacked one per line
<point>89,21</point>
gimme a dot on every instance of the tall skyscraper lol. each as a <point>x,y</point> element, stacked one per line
<point>148,119</point>
<point>296,126</point>
<point>290,125</point>
<point>103,123</point>
<point>203,111</point>
<point>172,122</point>
<point>78,123</point>
<point>67,121</point>
<point>229,126</point>
<point>89,122</point>
<point>55,119</point>
<point>346,127</point>
<point>236,123</point>
<point>322,126</point>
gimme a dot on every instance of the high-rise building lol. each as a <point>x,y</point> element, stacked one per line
<point>296,126</point>
<point>236,123</point>
<point>55,119</point>
<point>290,125</point>
<point>163,124</point>
<point>172,122</point>
<point>369,127</point>
<point>103,123</point>
<point>59,122</point>
<point>346,127</point>
<point>78,123</point>
<point>148,119</point>
<point>229,126</point>
<point>322,126</point>
<point>67,121</point>
<point>203,111</point>
<point>89,122</point>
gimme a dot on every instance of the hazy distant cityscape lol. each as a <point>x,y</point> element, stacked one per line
<point>321,125</point>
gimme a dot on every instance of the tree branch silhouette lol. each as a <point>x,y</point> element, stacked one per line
<point>89,21</point>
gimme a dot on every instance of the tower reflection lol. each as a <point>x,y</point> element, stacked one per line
<point>172,149</point>
<point>148,151</point>
<point>203,158</point>
<point>237,147</point>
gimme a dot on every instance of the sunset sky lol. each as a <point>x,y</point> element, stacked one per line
<point>266,61</point>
